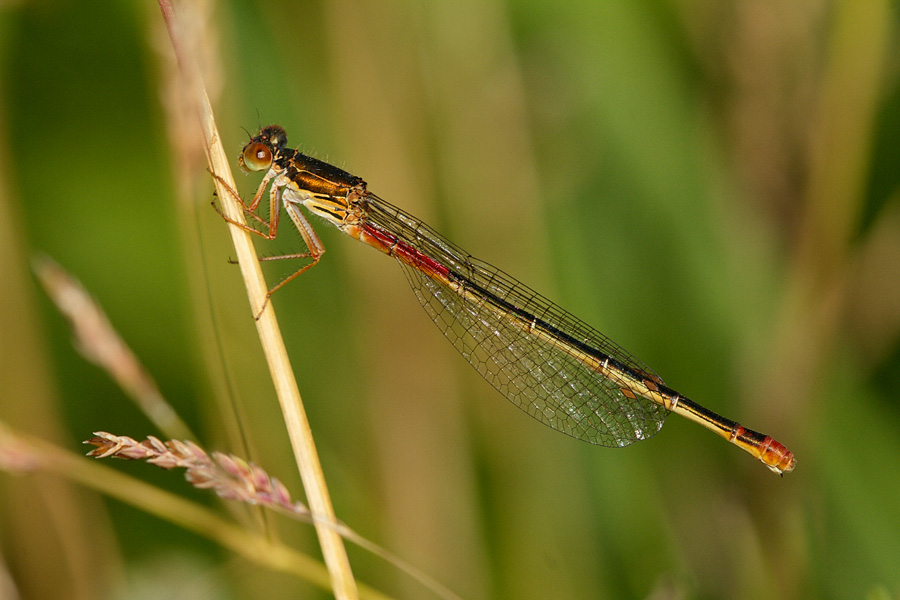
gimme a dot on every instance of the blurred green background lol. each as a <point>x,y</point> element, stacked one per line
<point>712,185</point>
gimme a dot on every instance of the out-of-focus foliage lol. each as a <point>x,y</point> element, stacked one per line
<point>713,185</point>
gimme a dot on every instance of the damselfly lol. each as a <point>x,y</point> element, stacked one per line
<point>546,361</point>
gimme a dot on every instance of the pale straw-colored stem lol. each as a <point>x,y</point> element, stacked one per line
<point>305,454</point>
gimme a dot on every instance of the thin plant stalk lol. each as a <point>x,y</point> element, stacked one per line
<point>305,454</point>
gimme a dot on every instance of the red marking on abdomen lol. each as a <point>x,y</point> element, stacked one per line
<point>394,246</point>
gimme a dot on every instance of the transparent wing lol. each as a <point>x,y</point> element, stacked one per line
<point>551,385</point>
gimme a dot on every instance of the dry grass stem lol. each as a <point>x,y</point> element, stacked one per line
<point>305,453</point>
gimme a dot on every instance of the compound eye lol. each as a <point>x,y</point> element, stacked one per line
<point>256,157</point>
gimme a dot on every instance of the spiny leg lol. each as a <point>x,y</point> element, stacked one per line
<point>310,238</point>
<point>313,243</point>
<point>274,207</point>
